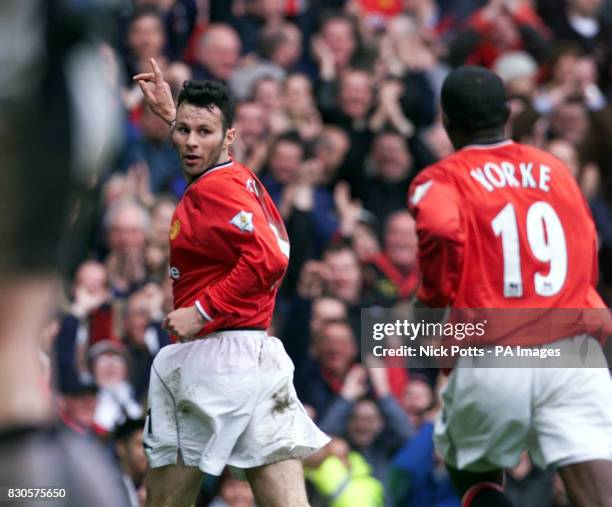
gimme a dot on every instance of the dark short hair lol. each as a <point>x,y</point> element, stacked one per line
<point>145,11</point>
<point>474,98</point>
<point>208,94</point>
<point>130,426</point>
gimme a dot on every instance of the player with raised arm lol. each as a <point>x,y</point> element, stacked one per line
<point>224,394</point>
<point>504,225</point>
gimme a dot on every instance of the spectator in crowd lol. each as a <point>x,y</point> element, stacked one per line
<point>153,148</point>
<point>417,400</point>
<point>126,224</point>
<point>77,406</point>
<point>392,171</point>
<point>143,334</point>
<point>418,477</point>
<point>498,27</point>
<point>132,459</point>
<point>582,22</point>
<point>290,181</point>
<point>330,372</point>
<point>251,143</point>
<point>145,39</point>
<point>393,273</point>
<point>348,105</point>
<point>233,493</point>
<point>217,53</point>
<point>88,319</point>
<point>115,401</point>
<point>342,477</point>
<point>158,250</point>
<point>375,427</point>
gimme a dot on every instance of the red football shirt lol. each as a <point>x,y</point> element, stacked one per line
<point>505,226</point>
<point>228,249</point>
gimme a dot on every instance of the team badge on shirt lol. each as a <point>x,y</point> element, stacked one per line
<point>175,229</point>
<point>244,221</point>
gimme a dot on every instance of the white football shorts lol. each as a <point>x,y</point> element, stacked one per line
<point>490,415</point>
<point>227,398</point>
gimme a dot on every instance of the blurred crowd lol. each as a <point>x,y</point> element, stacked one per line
<point>337,112</point>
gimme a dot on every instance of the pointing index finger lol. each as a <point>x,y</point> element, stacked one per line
<point>159,77</point>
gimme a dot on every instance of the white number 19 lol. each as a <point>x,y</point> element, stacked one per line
<point>547,243</point>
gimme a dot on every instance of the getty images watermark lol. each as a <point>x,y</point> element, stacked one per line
<point>414,337</point>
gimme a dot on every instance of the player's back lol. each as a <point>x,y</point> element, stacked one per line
<point>517,220</point>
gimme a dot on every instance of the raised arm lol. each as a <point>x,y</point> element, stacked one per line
<point>157,93</point>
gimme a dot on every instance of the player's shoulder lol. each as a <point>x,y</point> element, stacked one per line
<point>227,179</point>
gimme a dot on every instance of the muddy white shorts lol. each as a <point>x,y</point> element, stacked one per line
<point>490,415</point>
<point>229,399</point>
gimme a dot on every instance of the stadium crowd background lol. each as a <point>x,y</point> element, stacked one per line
<point>337,112</point>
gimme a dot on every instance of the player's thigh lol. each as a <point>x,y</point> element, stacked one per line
<point>589,484</point>
<point>279,484</point>
<point>464,480</point>
<point>485,419</point>
<point>172,486</point>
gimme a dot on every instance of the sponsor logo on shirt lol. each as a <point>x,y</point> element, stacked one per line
<point>174,272</point>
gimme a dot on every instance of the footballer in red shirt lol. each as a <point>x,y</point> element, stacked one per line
<point>223,395</point>
<point>503,225</point>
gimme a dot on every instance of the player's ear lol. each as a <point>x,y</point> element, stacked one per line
<point>230,135</point>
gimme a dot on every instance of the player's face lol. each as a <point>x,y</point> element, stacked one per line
<point>200,139</point>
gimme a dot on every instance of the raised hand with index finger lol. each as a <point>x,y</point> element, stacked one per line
<point>157,93</point>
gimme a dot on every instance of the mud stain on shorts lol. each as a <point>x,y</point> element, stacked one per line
<point>282,400</point>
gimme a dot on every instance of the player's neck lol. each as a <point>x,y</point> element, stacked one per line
<point>488,136</point>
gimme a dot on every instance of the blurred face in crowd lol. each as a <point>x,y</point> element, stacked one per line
<point>153,128</point>
<point>325,309</point>
<point>339,35</point>
<point>236,493</point>
<point>365,423</point>
<point>570,121</point>
<point>219,50</point>
<point>200,138</point>
<point>288,53</point>
<point>132,457</point>
<point>345,279</point>
<point>109,369</point>
<point>146,36</point>
<point>565,67</point>
<point>567,153</point>
<point>335,348</point>
<point>161,219</point>
<point>92,276</point>
<point>269,93</point>
<point>298,94</point>
<point>250,123</point>
<point>391,157</point>
<point>355,94</point>
<point>331,149</point>
<point>137,317</point>
<point>128,228</point>
<point>80,408</point>
<point>285,161</point>
<point>588,8</point>
<point>401,240</point>
<point>417,399</point>
<point>266,9</point>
